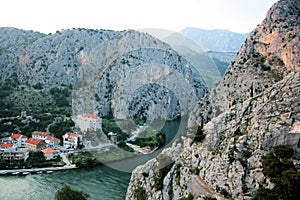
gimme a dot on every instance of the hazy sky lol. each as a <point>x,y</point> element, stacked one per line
<point>50,15</point>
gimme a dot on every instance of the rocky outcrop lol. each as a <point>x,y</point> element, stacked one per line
<point>250,111</point>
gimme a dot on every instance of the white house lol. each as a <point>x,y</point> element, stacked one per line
<point>71,140</point>
<point>15,154</point>
<point>52,141</point>
<point>49,153</point>
<point>88,122</point>
<point>40,135</point>
<point>5,146</point>
<point>19,139</point>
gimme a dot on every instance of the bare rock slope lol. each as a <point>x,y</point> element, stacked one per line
<point>248,113</point>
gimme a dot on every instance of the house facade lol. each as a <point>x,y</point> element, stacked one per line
<point>52,142</point>
<point>49,153</point>
<point>18,139</point>
<point>15,154</point>
<point>40,135</point>
<point>87,122</point>
<point>5,146</point>
<point>71,140</point>
<point>35,145</point>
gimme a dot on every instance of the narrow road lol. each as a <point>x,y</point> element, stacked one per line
<point>65,159</point>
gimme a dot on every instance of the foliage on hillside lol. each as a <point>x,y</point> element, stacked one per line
<point>279,167</point>
<point>67,193</point>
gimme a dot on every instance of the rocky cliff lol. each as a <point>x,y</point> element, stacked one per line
<point>126,74</point>
<point>248,113</point>
<point>270,52</point>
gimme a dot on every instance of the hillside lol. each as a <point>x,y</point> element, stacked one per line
<point>128,75</point>
<point>243,119</point>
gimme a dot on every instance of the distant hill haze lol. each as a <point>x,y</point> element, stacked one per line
<point>216,40</point>
<point>210,51</point>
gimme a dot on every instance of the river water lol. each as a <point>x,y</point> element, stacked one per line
<point>102,182</point>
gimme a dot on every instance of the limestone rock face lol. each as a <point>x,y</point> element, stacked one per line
<point>126,74</point>
<point>269,53</point>
<point>137,76</point>
<point>250,111</point>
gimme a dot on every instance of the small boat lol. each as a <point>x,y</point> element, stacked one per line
<point>48,172</point>
<point>16,173</point>
<point>39,172</point>
<point>3,173</point>
<point>25,173</point>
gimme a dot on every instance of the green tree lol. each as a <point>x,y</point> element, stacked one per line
<point>67,193</point>
<point>278,166</point>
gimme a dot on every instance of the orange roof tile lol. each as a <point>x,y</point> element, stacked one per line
<point>48,150</point>
<point>91,116</point>
<point>40,133</point>
<point>52,139</point>
<point>33,141</point>
<point>17,136</point>
<point>72,134</point>
<point>6,145</point>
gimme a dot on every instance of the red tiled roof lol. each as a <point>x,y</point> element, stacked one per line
<point>52,139</point>
<point>6,145</point>
<point>72,134</point>
<point>33,141</point>
<point>40,133</point>
<point>48,150</point>
<point>17,136</point>
<point>91,116</point>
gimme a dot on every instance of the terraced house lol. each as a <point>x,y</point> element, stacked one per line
<point>35,145</point>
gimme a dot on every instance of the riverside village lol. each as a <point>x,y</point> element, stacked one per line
<point>45,153</point>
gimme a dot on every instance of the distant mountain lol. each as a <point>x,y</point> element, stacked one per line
<point>216,40</point>
<point>211,65</point>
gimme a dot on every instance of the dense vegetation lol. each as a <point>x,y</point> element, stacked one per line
<point>280,169</point>
<point>110,125</point>
<point>122,144</point>
<point>67,193</point>
<point>60,128</point>
<point>43,108</point>
<point>157,139</point>
<point>84,160</point>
